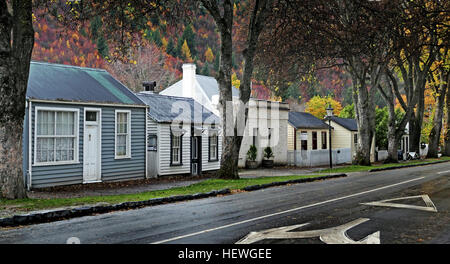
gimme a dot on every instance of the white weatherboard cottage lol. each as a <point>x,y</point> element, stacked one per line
<point>267,120</point>
<point>308,142</point>
<point>81,126</point>
<point>183,136</point>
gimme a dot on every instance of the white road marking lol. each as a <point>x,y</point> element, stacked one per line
<point>430,207</point>
<point>442,172</point>
<point>334,235</point>
<point>284,212</point>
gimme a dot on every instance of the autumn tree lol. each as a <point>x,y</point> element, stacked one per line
<point>16,46</point>
<point>123,22</point>
<point>209,56</point>
<point>313,34</point>
<point>317,106</point>
<point>186,52</point>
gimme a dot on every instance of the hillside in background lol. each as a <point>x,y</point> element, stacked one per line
<point>161,53</point>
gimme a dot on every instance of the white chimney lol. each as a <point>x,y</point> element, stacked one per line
<point>189,80</point>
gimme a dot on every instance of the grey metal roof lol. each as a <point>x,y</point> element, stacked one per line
<point>347,123</point>
<point>208,84</point>
<point>165,109</point>
<point>306,120</point>
<point>211,87</point>
<point>48,81</point>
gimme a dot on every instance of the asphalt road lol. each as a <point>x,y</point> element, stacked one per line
<point>227,219</point>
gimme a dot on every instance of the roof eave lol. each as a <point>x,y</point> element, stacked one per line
<point>63,101</point>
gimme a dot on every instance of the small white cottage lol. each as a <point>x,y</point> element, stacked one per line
<point>267,120</point>
<point>183,136</point>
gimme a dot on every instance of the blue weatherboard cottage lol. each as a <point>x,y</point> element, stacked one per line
<point>81,126</point>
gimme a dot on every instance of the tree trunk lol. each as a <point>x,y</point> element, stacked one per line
<point>16,45</point>
<point>447,132</point>
<point>11,174</point>
<point>365,116</point>
<point>435,134</point>
<point>415,126</point>
<point>364,108</point>
<point>393,139</point>
<point>231,141</point>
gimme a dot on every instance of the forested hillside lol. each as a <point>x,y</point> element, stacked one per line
<point>160,56</point>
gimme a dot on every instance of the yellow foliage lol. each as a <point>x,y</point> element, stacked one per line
<point>235,81</point>
<point>209,56</point>
<point>317,106</point>
<point>164,42</point>
<point>186,52</point>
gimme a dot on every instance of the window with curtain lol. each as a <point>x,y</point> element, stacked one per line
<point>123,134</point>
<point>56,136</point>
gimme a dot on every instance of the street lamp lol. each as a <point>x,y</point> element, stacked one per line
<point>329,116</point>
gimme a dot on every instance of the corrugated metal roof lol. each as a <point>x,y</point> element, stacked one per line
<point>211,87</point>
<point>347,123</point>
<point>164,108</point>
<point>48,81</point>
<point>306,120</point>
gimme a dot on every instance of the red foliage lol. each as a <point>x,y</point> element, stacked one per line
<point>52,44</point>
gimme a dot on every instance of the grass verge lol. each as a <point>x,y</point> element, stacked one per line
<point>25,205</point>
<point>358,168</point>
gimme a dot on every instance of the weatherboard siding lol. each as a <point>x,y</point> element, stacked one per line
<point>123,169</point>
<point>111,169</point>
<point>341,137</point>
<point>290,137</point>
<point>164,151</point>
<point>206,164</point>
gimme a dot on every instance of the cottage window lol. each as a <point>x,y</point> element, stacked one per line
<point>152,143</point>
<point>314,140</point>
<point>355,140</point>
<point>56,136</point>
<point>176,150</point>
<point>304,140</point>
<point>213,148</point>
<point>324,140</point>
<point>123,134</point>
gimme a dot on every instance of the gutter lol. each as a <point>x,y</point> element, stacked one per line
<point>86,103</point>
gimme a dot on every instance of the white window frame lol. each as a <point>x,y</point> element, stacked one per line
<point>128,140</point>
<point>76,132</point>
<point>213,148</point>
<point>178,162</point>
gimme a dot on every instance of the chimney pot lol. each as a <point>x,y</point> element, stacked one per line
<point>149,86</point>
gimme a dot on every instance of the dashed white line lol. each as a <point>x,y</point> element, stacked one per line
<point>284,212</point>
<point>442,172</point>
